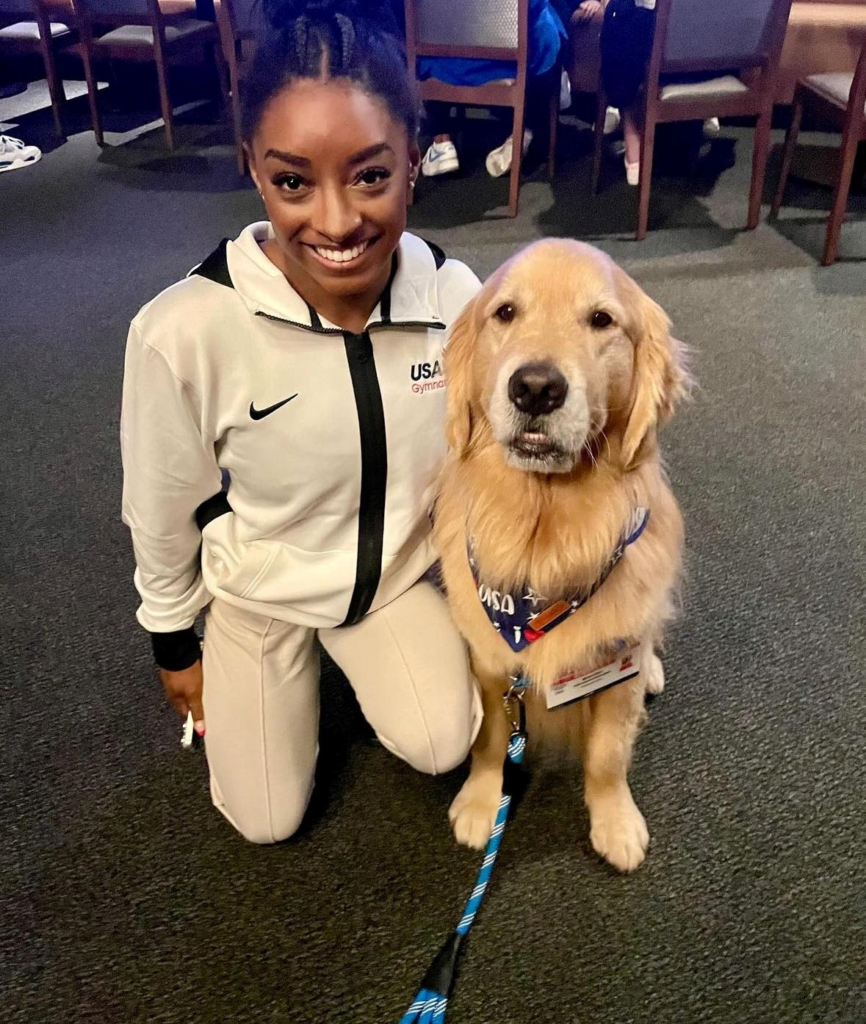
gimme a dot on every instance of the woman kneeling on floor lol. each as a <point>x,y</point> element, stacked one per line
<point>302,362</point>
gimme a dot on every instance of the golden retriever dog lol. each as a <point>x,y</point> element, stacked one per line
<point>559,373</point>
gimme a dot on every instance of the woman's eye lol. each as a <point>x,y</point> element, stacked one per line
<point>373,175</point>
<point>505,313</point>
<point>600,320</point>
<point>289,183</point>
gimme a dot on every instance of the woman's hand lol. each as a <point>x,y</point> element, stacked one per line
<point>184,690</point>
<point>588,9</point>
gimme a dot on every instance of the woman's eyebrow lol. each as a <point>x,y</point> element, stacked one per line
<point>289,158</point>
<point>367,154</point>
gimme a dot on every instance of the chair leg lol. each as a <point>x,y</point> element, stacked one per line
<point>759,166</point>
<point>788,155</point>
<point>647,146</point>
<point>218,63</point>
<point>554,122</point>
<point>92,93</point>
<point>847,156</point>
<point>164,98</point>
<point>55,86</point>
<point>598,139</point>
<point>516,157</point>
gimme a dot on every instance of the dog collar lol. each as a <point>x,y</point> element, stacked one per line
<point>525,616</point>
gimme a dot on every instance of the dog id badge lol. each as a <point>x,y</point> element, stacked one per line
<point>625,664</point>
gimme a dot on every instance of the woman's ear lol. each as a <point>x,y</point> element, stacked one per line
<point>459,421</point>
<point>251,163</point>
<point>661,377</point>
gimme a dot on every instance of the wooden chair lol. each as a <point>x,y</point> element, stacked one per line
<point>737,45</point>
<point>27,28</point>
<point>838,99</point>
<point>139,31</point>
<point>239,22</point>
<point>479,30</point>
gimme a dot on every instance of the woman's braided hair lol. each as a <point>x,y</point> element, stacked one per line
<point>321,39</point>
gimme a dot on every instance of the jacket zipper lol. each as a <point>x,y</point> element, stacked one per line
<point>374,473</point>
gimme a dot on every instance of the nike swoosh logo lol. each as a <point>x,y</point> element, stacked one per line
<point>259,414</point>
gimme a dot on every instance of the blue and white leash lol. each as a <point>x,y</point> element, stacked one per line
<point>430,1004</point>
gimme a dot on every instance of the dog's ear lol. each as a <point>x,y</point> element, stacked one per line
<point>459,422</point>
<point>661,376</point>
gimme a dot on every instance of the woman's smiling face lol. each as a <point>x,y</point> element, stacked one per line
<point>335,172</point>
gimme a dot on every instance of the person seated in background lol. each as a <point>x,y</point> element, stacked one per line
<point>626,45</point>
<point>546,35</point>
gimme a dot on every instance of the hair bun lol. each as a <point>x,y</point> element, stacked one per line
<point>282,13</point>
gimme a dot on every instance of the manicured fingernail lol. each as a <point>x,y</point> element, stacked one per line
<point>199,728</point>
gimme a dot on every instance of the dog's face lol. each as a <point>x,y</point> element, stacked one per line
<point>559,350</point>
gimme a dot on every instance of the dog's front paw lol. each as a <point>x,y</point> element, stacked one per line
<point>618,832</point>
<point>655,675</point>
<point>473,812</point>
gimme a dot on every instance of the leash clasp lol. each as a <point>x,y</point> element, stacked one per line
<point>512,702</point>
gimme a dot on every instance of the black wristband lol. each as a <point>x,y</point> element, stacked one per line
<point>176,651</point>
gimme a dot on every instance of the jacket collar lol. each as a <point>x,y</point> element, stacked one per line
<point>410,299</point>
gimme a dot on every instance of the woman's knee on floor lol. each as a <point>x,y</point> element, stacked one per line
<point>441,741</point>
<point>267,821</point>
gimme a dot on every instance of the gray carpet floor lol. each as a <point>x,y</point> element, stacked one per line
<point>127,899</point>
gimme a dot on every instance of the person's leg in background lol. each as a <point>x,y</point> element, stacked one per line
<point>546,38</point>
<point>498,160</point>
<point>631,137</point>
<point>410,672</point>
<point>441,156</point>
<point>626,44</point>
<point>261,704</point>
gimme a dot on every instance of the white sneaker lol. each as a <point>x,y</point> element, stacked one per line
<point>712,128</point>
<point>440,158</point>
<point>14,154</point>
<point>564,91</point>
<point>611,120</point>
<point>632,172</point>
<point>498,162</point>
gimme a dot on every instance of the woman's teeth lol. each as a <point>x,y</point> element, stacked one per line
<point>341,255</point>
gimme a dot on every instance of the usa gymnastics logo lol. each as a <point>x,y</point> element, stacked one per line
<point>426,377</point>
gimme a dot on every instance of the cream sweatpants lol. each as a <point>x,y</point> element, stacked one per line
<point>406,663</point>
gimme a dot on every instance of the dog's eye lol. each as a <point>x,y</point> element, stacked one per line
<point>505,313</point>
<point>600,320</point>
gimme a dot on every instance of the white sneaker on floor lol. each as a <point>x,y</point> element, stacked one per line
<point>712,128</point>
<point>632,172</point>
<point>498,161</point>
<point>14,154</point>
<point>611,120</point>
<point>564,91</point>
<point>440,158</point>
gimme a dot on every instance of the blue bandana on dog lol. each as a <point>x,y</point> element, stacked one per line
<point>525,616</point>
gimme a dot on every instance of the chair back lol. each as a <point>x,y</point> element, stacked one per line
<point>118,12</point>
<point>481,29</point>
<point>244,18</point>
<point>721,34</point>
<point>856,113</point>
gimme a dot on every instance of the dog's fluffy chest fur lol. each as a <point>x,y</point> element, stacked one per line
<point>554,535</point>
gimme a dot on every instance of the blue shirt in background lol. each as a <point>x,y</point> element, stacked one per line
<point>545,39</point>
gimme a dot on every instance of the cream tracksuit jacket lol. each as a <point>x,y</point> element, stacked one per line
<point>330,442</point>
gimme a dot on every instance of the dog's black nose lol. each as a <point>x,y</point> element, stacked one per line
<point>537,388</point>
